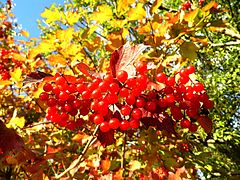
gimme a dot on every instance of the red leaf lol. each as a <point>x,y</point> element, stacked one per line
<point>9,140</point>
<point>84,68</point>
<point>206,123</point>
<point>106,138</point>
<point>35,77</point>
<point>124,57</point>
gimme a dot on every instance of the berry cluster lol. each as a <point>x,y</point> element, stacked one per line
<point>7,63</point>
<point>186,5</point>
<point>122,102</point>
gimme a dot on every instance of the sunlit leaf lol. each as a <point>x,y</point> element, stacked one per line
<point>124,57</point>
<point>104,13</point>
<point>56,59</point>
<point>137,13</point>
<point>5,82</point>
<point>155,6</point>
<point>122,6</point>
<point>191,15</point>
<point>210,5</point>
<point>134,165</point>
<point>51,14</point>
<point>16,122</point>
<point>16,74</point>
<point>25,33</point>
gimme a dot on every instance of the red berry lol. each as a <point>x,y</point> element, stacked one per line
<point>190,69</point>
<point>198,87</point>
<point>63,96</point>
<point>51,102</point>
<point>104,127</point>
<point>108,78</point>
<point>131,82</point>
<point>122,76</point>
<point>96,94</point>
<point>161,77</point>
<point>103,86</point>
<point>81,87</point>
<point>86,94</point>
<point>136,114</point>
<point>98,119</point>
<point>43,96</point>
<point>170,81</point>
<point>114,123</point>
<point>134,123</point>
<point>151,106</point>
<point>208,104</point>
<point>124,125</point>
<point>169,98</point>
<point>47,87</point>
<point>60,80</point>
<point>140,102</point>
<point>112,98</point>
<point>183,79</point>
<point>141,67</point>
<point>193,128</point>
<point>130,99</point>
<point>185,123</point>
<point>125,110</point>
<point>114,88</point>
<point>124,92</point>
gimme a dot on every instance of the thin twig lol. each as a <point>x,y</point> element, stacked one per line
<point>231,43</point>
<point>123,150</point>
<point>79,159</point>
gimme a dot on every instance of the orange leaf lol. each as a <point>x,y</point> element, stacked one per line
<point>56,59</point>
<point>105,164</point>
<point>210,5</point>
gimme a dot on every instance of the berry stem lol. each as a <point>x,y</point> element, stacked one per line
<point>80,157</point>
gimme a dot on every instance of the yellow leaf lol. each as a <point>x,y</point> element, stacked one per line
<point>65,35</point>
<point>118,23</point>
<point>137,13</point>
<point>16,74</point>
<point>134,165</point>
<point>123,5</point>
<point>155,6</point>
<point>51,14</point>
<point>25,33</point>
<point>5,83</point>
<point>16,122</point>
<point>19,57</point>
<point>72,17</point>
<point>191,15</point>
<point>39,90</point>
<point>56,59</point>
<point>104,13</point>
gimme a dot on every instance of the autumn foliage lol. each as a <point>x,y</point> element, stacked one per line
<point>107,92</point>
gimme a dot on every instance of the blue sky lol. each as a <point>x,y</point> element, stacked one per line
<point>28,11</point>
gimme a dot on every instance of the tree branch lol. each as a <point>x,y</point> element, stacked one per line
<point>79,159</point>
<point>232,43</point>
